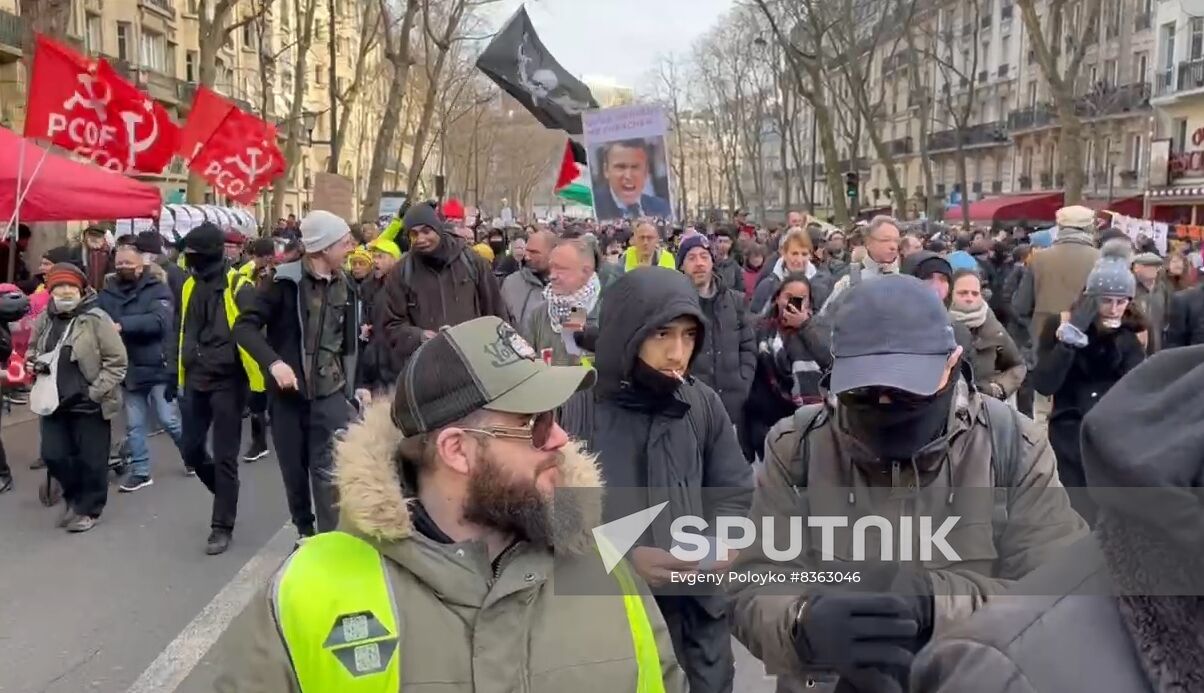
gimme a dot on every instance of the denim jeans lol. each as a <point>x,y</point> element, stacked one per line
<point>137,404</point>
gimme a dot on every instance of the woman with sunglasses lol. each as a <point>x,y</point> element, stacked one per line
<point>1083,352</point>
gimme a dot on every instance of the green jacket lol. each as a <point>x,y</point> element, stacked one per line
<point>462,628</point>
<point>97,349</point>
<point>539,333</point>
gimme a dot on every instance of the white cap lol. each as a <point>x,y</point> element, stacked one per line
<point>321,229</point>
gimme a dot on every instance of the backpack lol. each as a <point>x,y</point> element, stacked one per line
<point>1005,451</point>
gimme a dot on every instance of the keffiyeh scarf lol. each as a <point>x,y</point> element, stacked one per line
<point>559,306</point>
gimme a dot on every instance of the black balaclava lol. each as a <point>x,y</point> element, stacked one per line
<point>899,430</point>
<point>204,249</point>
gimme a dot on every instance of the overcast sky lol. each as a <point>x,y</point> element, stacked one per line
<point>617,40</point>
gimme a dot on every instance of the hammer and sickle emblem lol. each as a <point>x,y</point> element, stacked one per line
<point>132,121</point>
<point>90,97</point>
<point>251,170</point>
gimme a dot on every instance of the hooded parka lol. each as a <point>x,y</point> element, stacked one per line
<point>858,481</point>
<point>463,627</point>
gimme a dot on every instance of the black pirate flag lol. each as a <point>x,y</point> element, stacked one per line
<point>519,63</point>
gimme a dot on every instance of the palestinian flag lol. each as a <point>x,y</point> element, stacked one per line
<point>573,182</point>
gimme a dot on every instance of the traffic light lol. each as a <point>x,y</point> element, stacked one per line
<point>850,184</point>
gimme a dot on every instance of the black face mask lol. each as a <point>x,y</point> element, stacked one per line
<point>201,262</point>
<point>897,431</point>
<point>498,247</point>
<point>127,276</point>
<point>652,382</point>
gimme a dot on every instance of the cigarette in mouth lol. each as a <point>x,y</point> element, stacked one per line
<point>679,376</point>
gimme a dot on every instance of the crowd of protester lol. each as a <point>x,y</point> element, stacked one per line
<point>724,355</point>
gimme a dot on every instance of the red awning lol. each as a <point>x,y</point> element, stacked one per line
<point>66,190</point>
<point>1035,207</point>
<point>1129,206</point>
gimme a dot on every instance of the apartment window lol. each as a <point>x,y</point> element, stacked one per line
<point>194,6</point>
<point>152,51</point>
<point>248,35</point>
<point>169,66</point>
<point>1196,45</point>
<point>1141,64</point>
<point>1091,156</point>
<point>1135,152</point>
<point>319,75</point>
<point>1110,72</point>
<point>190,66</point>
<point>124,31</point>
<point>92,39</point>
<point>1005,49</point>
<point>1032,93</point>
<point>984,58</point>
<point>1179,134</point>
<point>1167,59</point>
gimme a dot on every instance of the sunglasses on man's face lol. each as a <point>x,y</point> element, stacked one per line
<point>871,396</point>
<point>538,430</point>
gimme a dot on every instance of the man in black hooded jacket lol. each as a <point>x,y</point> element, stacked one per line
<point>662,435</point>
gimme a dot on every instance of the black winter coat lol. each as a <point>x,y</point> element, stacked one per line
<point>1185,318</point>
<point>145,312</point>
<point>786,377</point>
<point>728,355</point>
<point>1077,379</point>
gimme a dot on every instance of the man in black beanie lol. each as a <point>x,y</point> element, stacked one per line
<point>214,373</point>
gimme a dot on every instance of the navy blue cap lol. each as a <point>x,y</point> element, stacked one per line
<point>890,331</point>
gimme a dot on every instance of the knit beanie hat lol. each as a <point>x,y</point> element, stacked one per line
<point>1111,275</point>
<point>205,239</point>
<point>385,246</point>
<point>62,254</point>
<point>321,229</point>
<point>360,254</point>
<point>66,273</point>
<point>149,242</point>
<point>961,260</point>
<point>423,214</point>
<point>689,243</point>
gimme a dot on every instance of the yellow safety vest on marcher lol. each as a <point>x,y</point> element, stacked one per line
<point>248,270</point>
<point>234,282</point>
<point>309,597</point>
<point>665,259</point>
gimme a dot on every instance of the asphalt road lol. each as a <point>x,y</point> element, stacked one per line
<point>135,604</point>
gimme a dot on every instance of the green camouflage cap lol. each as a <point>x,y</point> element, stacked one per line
<point>480,364</point>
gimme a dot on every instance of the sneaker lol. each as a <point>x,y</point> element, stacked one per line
<point>6,483</point>
<point>306,531</point>
<point>133,482</point>
<point>17,398</point>
<point>255,452</point>
<point>219,541</point>
<point>81,523</point>
<point>67,517</point>
<point>189,471</point>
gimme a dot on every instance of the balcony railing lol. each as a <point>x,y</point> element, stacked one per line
<point>1005,12</point>
<point>974,136</point>
<point>163,6</point>
<point>1110,100</point>
<point>967,28</point>
<point>1036,116</point>
<point>1164,82</point>
<point>12,30</point>
<point>982,76</point>
<point>1003,70</point>
<point>984,21</point>
<point>1189,76</point>
<point>900,146</point>
<point>1025,183</point>
<point>1046,181</point>
<point>1142,22</point>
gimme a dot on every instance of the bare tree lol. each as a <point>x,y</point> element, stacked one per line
<point>920,98</point>
<point>439,45</point>
<point>1059,47</point>
<point>304,11</point>
<point>810,26</point>
<point>369,36</point>
<point>668,88</point>
<point>217,25</point>
<point>397,43</point>
<point>958,81</point>
<point>49,17</point>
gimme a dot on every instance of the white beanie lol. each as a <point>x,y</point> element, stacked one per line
<point>321,229</point>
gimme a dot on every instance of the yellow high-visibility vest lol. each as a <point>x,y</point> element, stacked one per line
<point>337,616</point>
<point>234,282</point>
<point>664,259</point>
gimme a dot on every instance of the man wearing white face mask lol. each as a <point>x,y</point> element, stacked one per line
<point>80,363</point>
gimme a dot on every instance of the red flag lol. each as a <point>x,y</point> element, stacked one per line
<point>84,106</point>
<point>235,151</point>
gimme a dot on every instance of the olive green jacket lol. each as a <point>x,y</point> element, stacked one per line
<point>97,349</point>
<point>463,628</point>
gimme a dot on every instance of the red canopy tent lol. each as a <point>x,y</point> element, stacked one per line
<point>1034,207</point>
<point>66,190</point>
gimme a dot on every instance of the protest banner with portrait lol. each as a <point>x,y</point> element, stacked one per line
<point>628,162</point>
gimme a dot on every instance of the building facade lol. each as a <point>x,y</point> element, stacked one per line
<point>1176,191</point>
<point>156,45</point>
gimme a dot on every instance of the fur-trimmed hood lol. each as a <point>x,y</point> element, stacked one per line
<point>374,503</point>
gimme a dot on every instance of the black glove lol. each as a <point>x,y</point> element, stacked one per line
<point>848,632</point>
<point>915,587</point>
<point>1083,313</point>
<point>170,391</point>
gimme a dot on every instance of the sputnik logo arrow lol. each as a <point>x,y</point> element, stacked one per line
<point>615,538</point>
